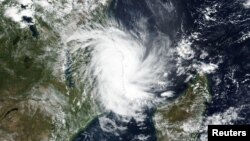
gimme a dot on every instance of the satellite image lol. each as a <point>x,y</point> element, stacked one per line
<point>122,70</point>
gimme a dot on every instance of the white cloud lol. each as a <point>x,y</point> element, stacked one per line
<point>184,49</point>
<point>124,76</point>
<point>109,125</point>
<point>42,3</point>
<point>13,13</point>
<point>167,94</point>
<point>16,13</point>
<point>25,2</point>
<point>225,118</point>
<point>205,68</point>
<point>246,4</point>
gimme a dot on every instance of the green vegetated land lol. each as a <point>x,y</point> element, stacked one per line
<point>22,68</point>
<point>182,119</point>
<point>34,103</point>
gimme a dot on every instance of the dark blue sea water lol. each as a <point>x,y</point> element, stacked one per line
<point>221,38</point>
<point>94,131</point>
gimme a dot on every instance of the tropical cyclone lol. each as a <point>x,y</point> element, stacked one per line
<point>123,68</point>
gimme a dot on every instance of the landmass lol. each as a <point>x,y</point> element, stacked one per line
<point>182,119</point>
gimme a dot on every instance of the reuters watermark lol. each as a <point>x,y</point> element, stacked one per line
<point>219,132</point>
